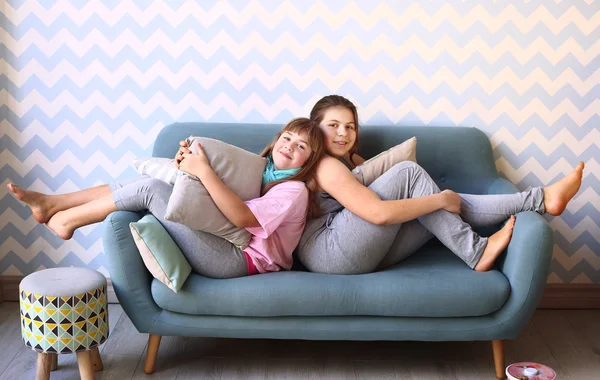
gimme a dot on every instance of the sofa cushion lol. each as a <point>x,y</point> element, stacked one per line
<point>432,283</point>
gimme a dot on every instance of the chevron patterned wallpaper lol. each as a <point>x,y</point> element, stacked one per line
<point>87,85</point>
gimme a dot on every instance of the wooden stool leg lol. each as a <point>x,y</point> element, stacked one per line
<point>96,359</point>
<point>54,362</point>
<point>153,344</point>
<point>498,348</point>
<point>44,364</point>
<point>86,368</point>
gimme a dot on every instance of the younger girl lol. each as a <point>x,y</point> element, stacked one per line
<point>276,219</point>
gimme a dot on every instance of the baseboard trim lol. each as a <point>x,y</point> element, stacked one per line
<point>571,296</point>
<point>9,289</point>
<point>556,296</point>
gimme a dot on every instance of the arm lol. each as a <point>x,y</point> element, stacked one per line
<point>357,160</point>
<point>334,178</point>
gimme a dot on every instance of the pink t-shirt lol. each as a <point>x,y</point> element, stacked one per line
<point>281,213</point>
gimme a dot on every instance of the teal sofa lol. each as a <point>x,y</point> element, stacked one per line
<point>432,296</point>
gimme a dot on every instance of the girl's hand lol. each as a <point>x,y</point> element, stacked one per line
<point>195,164</point>
<point>450,201</point>
<point>183,148</point>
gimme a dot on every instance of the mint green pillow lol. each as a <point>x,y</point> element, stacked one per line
<point>161,255</point>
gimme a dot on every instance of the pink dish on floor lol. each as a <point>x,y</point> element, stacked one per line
<point>529,371</point>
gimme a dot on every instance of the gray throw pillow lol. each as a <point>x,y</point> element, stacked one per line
<point>190,203</point>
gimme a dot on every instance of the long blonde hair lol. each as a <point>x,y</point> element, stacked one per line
<point>307,173</point>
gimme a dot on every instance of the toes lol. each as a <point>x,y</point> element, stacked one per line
<point>511,221</point>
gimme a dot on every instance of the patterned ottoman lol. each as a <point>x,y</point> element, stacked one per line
<point>64,311</point>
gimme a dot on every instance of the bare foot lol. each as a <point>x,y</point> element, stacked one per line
<point>37,202</point>
<point>59,224</point>
<point>496,244</point>
<point>557,195</point>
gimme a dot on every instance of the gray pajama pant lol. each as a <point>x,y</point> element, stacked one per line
<point>343,243</point>
<point>209,255</point>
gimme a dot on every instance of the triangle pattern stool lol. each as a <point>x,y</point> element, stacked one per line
<point>64,311</point>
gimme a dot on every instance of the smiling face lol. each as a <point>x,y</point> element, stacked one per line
<point>291,150</point>
<point>339,128</point>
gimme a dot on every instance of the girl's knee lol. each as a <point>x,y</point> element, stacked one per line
<point>402,172</point>
<point>152,187</point>
<point>406,165</point>
<point>155,184</point>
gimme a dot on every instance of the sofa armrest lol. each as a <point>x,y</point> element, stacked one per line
<point>526,263</point>
<point>130,278</point>
<point>502,186</point>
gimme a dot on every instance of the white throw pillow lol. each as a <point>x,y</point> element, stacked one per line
<point>161,168</point>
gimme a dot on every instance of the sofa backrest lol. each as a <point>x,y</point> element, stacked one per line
<point>457,158</point>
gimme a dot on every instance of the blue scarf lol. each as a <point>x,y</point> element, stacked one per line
<point>270,174</point>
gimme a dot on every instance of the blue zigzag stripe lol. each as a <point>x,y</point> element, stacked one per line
<point>579,268</point>
<point>67,174</point>
<point>584,239</point>
<point>503,121</point>
<point>304,65</point>
<point>42,259</point>
<point>161,116</point>
<point>533,151</point>
<point>461,7</point>
<point>142,4</point>
<point>588,210</point>
<point>128,115</point>
<point>42,231</point>
<point>128,145</point>
<point>548,131</point>
<point>144,32</point>
<point>285,87</point>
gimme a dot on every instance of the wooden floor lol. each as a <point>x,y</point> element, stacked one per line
<point>566,340</point>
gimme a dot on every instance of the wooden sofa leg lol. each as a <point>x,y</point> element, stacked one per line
<point>153,344</point>
<point>498,347</point>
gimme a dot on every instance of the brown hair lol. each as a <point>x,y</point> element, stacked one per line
<point>307,173</point>
<point>331,101</point>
